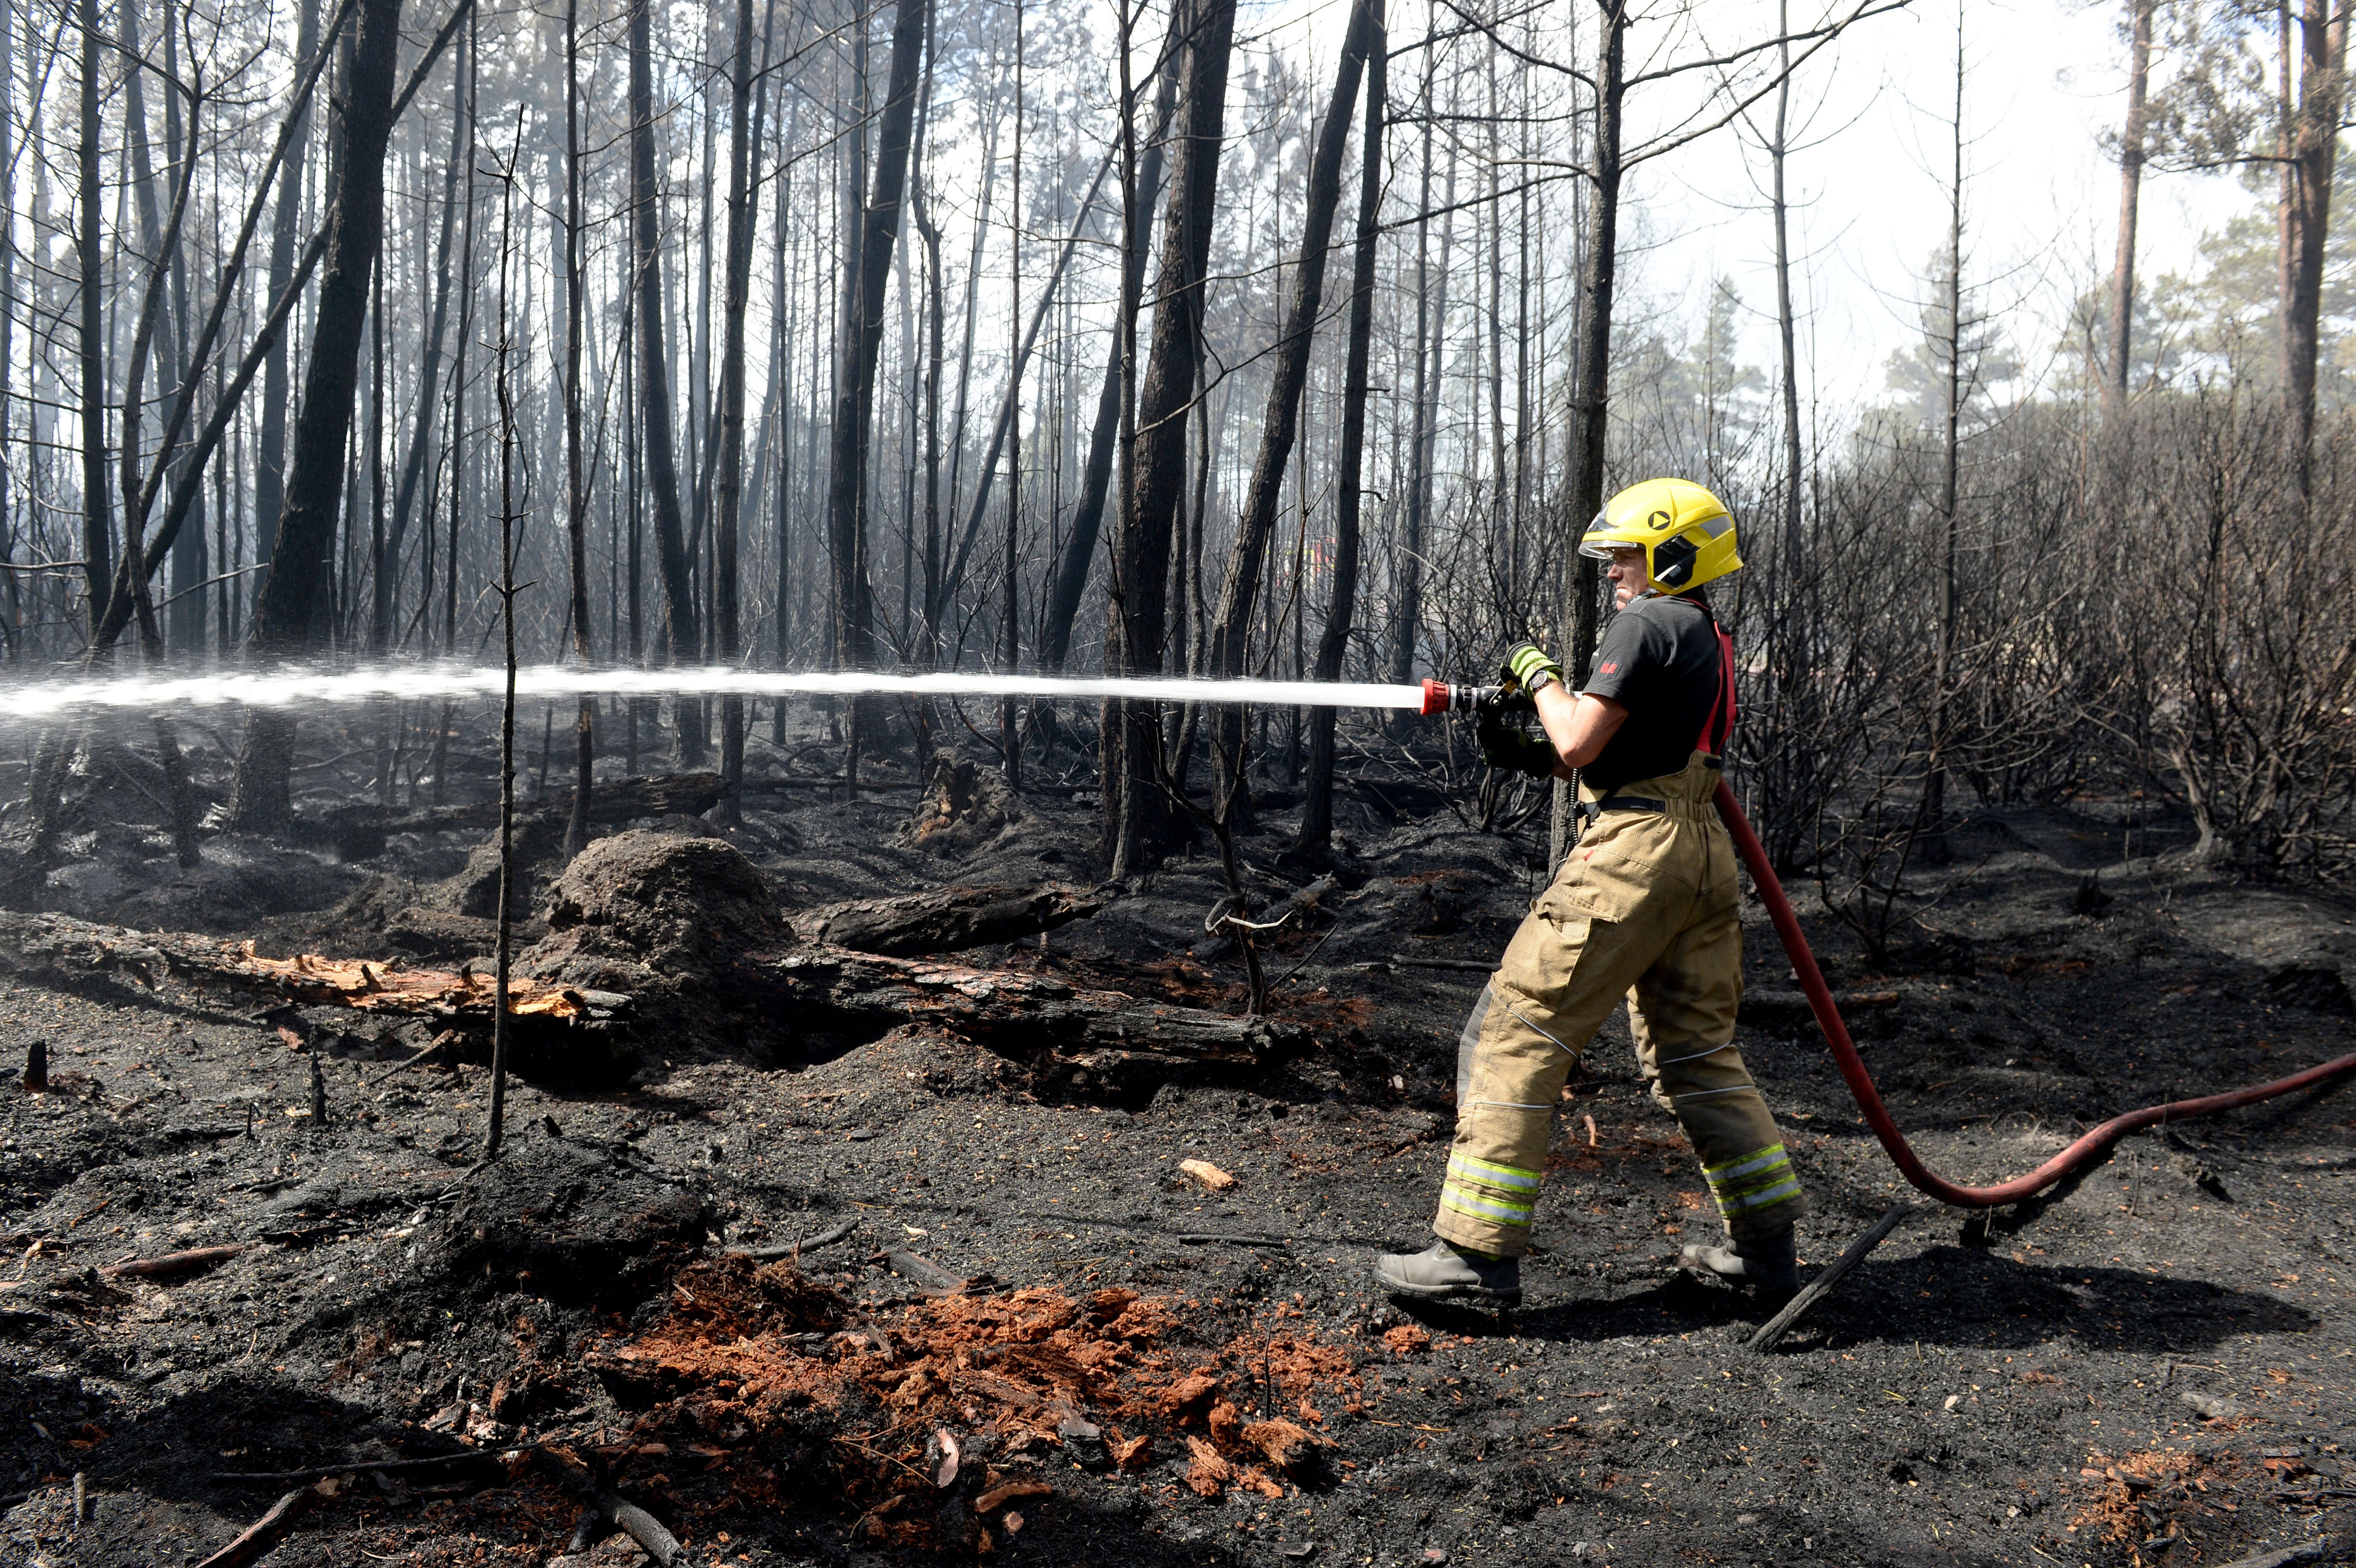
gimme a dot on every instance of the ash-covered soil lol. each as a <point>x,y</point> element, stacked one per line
<point>2155,1365</point>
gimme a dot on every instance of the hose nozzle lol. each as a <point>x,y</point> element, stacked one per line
<point>1449,697</point>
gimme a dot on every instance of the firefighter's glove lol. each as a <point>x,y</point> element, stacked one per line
<point>1505,746</point>
<point>1530,667</point>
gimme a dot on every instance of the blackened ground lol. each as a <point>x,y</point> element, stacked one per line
<point>2035,1398</point>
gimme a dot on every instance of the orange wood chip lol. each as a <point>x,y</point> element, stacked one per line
<point>1208,1476</point>
<point>1286,1445</point>
<point>1209,1174</point>
<point>998,1496</point>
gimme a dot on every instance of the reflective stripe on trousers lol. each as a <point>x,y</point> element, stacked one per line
<point>1498,1194</point>
<point>1753,1184</point>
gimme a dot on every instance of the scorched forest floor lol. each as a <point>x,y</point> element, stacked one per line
<point>2156,1364</point>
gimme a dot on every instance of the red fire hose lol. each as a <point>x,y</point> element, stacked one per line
<point>1869,1098</point>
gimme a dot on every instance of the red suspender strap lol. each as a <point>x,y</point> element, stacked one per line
<point>1718,730</point>
<point>1726,728</point>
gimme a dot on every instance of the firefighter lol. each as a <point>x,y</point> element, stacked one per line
<point>1644,908</point>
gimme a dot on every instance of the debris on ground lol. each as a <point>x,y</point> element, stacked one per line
<point>1209,1174</point>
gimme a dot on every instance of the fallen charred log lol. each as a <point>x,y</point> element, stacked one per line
<point>687,929</point>
<point>59,949</point>
<point>947,919</point>
<point>693,923</point>
<point>1034,1019</point>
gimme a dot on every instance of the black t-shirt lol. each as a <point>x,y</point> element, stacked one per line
<point>1660,658</point>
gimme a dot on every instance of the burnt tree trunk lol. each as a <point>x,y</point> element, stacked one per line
<point>1592,373</point>
<point>190,560</point>
<point>928,631</point>
<point>862,338</point>
<point>429,374</point>
<point>2131,161</point>
<point>1407,586</point>
<point>682,642</point>
<point>1138,819</point>
<point>181,793</point>
<point>729,480</point>
<point>286,621</point>
<point>1774,776</point>
<point>97,511</point>
<point>1280,424</point>
<point>270,441</point>
<point>2306,216</point>
<point>1095,481</point>
<point>1948,629</point>
<point>168,266</point>
<point>1317,808</point>
<point>576,463</point>
<point>1004,429</point>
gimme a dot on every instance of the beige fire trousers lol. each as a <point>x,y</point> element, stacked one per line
<point>1644,908</point>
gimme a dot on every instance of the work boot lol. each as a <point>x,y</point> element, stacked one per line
<point>1446,1272</point>
<point>1769,1265</point>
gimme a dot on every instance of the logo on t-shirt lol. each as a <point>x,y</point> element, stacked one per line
<point>1612,668</point>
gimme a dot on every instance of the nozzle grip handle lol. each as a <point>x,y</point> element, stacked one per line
<point>1443,696</point>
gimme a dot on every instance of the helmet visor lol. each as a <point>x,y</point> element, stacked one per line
<point>1605,548</point>
<point>1600,545</point>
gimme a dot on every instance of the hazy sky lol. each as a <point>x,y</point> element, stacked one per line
<point>1871,132</point>
<point>2043,79</point>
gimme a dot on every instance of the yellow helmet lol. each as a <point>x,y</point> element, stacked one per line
<point>1686,533</point>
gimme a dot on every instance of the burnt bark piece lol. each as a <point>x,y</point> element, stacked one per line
<point>57,947</point>
<point>172,1264</point>
<point>927,1275</point>
<point>947,919</point>
<point>1027,1017</point>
